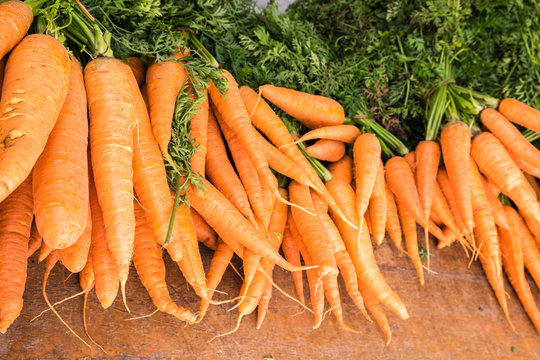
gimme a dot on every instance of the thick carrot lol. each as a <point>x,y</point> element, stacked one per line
<point>199,125</point>
<point>531,253</point>
<point>113,116</point>
<point>205,234</point>
<point>151,269</point>
<point>520,113</point>
<point>16,20</point>
<point>510,136</point>
<point>393,226</point>
<point>265,119</point>
<point>230,225</point>
<point>377,207</point>
<point>314,111</point>
<point>497,165</point>
<point>342,169</point>
<point>292,254</point>
<point>74,257</point>
<point>15,226</point>
<point>411,239</point>
<point>534,184</point>
<point>28,109</point>
<point>446,188</point>
<point>523,164</point>
<point>105,269</point>
<point>60,175</point>
<point>456,149</point>
<point>361,252</point>
<point>34,243</point>
<point>343,133</point>
<point>138,67</point>
<point>326,150</point>
<point>512,255</point>
<point>496,206</point>
<point>163,82</point>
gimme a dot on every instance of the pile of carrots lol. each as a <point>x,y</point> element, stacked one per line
<point>83,156</point>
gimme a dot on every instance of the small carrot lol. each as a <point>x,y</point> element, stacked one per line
<point>199,125</point>
<point>44,252</point>
<point>314,111</point>
<point>35,240</point>
<point>205,234</point>
<point>496,206</point>
<point>264,303</point>
<point>326,150</point>
<point>377,207</point>
<point>16,20</point>
<point>370,300</point>
<point>444,182</point>
<point>411,240</point>
<point>531,253</point>
<point>342,169</point>
<point>74,257</point>
<point>520,113</point>
<point>292,254</point>
<point>138,67</point>
<point>393,226</point>
<point>15,226</point>
<point>534,184</point>
<point>534,226</point>
<point>343,133</point>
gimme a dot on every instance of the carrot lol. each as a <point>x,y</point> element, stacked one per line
<point>393,226</point>
<point>441,208</point>
<point>497,165</point>
<point>151,269</point>
<point>15,226</point>
<point>510,136</point>
<point>138,67</point>
<point>28,110</point>
<point>113,115</point>
<point>220,261</point>
<point>446,188</point>
<point>411,240</point>
<point>265,119</point>
<point>520,113</point>
<point>456,149</point>
<point>326,150</point>
<point>264,303</point>
<point>523,164</point>
<point>75,257</point>
<point>534,226</point>
<point>2,69</point>
<point>292,254</point>
<point>376,310</point>
<point>367,159</point>
<point>512,255</point>
<point>199,125</point>
<point>534,184</point>
<point>16,20</point>
<point>531,253</point>
<point>343,133</point>
<point>163,82</point>
<point>44,252</point>
<point>86,276</point>
<point>496,206</point>
<point>314,111</point>
<point>361,252</point>
<point>377,207</point>
<point>105,269</point>
<point>34,243</point>
<point>230,110</point>
<point>205,234</point>
<point>342,169</point>
<point>60,175</point>
<point>230,225</point>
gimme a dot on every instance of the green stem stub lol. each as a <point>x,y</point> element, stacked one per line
<point>390,144</point>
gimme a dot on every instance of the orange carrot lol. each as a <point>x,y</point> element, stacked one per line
<point>74,257</point>
<point>342,169</point>
<point>326,150</point>
<point>151,269</point>
<point>44,252</point>
<point>446,188</point>
<point>16,20</point>
<point>510,136</point>
<point>456,149</point>
<point>138,67</point>
<point>411,240</point>
<point>393,225</point>
<point>35,240</point>
<point>163,82</point>
<point>28,109</point>
<point>377,207</point>
<point>314,111</point>
<point>15,226</point>
<point>520,113</point>
<point>205,234</point>
<point>60,175</point>
<point>361,252</point>
<point>264,303</point>
<point>531,253</point>
<point>534,184</point>
<point>199,125</point>
<point>523,164</point>
<point>497,165</point>
<point>343,133</point>
<point>2,69</point>
<point>496,206</point>
<point>534,226</point>
<point>292,254</point>
<point>113,116</point>
<point>376,310</point>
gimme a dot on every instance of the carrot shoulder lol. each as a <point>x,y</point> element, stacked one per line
<point>520,113</point>
<point>16,20</point>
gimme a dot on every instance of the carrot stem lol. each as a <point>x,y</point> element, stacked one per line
<point>173,213</point>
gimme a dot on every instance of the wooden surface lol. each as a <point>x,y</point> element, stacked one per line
<point>453,316</point>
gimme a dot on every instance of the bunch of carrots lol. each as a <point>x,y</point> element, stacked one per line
<point>85,156</point>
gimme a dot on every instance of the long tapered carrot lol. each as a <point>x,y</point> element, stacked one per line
<point>230,225</point>
<point>205,234</point>
<point>520,113</point>
<point>163,82</point>
<point>512,255</point>
<point>367,158</point>
<point>377,206</point>
<point>74,257</point>
<point>15,226</point>
<point>60,175</point>
<point>510,136</point>
<point>376,310</point>
<point>28,108</point>
<point>534,226</point>
<point>34,243</point>
<point>411,240</point>
<point>493,160</point>
<point>441,208</point>
<point>264,304</point>
<point>113,117</point>
<point>292,254</point>
<point>342,169</point>
<point>393,226</point>
<point>265,119</point>
<point>16,20</point>
<point>343,133</point>
<point>105,269</point>
<point>199,125</point>
<point>496,206</point>
<point>151,269</point>
<point>314,111</point>
<point>361,252</point>
<point>531,254</point>
<point>523,164</point>
<point>444,182</point>
<point>138,67</point>
<point>326,150</point>
<point>456,149</point>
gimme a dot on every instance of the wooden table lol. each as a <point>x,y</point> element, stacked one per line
<point>453,316</point>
